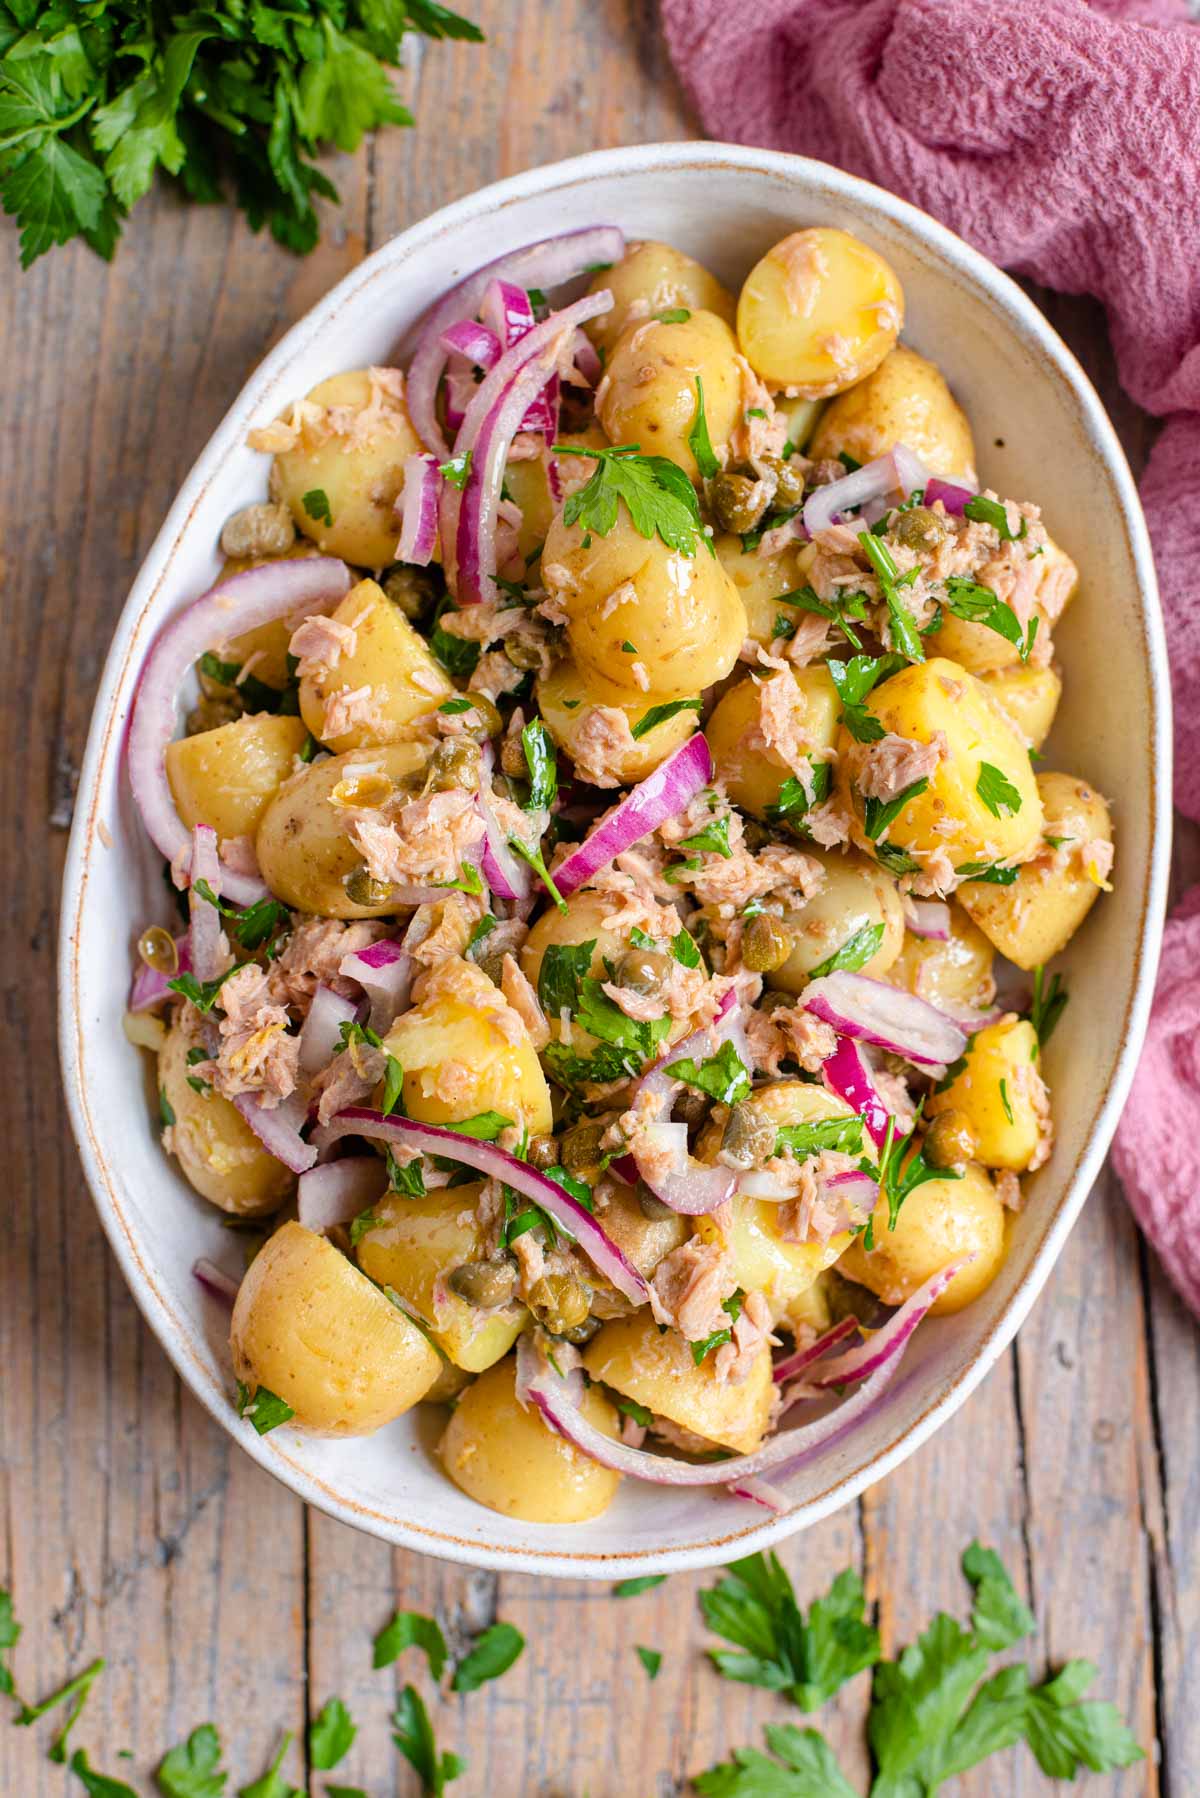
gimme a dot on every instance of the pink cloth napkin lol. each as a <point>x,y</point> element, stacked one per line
<point>1063,140</point>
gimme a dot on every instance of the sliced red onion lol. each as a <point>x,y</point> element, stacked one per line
<point>761,1492</point>
<point>846,1073</point>
<point>214,1279</point>
<point>856,1190</point>
<point>586,359</point>
<point>874,1012</point>
<point>466,337</point>
<point>968,1018</point>
<point>384,970</point>
<point>278,1128</point>
<point>321,1033</point>
<point>928,918</point>
<point>663,794</point>
<point>495,1163</point>
<point>793,1365</point>
<point>209,948</point>
<point>460,390</point>
<point>897,472</point>
<point>952,494</point>
<point>150,989</point>
<point>337,1192</point>
<point>507,311</point>
<point>419,511</point>
<point>545,265</point>
<point>507,876</point>
<point>242,603</point>
<point>885,1344</point>
<point>693,1188</point>
<point>542,413</point>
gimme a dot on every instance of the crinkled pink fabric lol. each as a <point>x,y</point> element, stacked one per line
<point>1062,139</point>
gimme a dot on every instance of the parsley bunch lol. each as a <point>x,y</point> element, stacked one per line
<point>237,96</point>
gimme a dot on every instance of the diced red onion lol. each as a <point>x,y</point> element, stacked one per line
<point>663,794</point>
<point>214,1279</point>
<point>952,494</point>
<point>874,1012</point>
<point>384,970</point>
<point>209,949</point>
<point>150,988</point>
<point>693,1188</point>
<point>467,337</point>
<point>321,1033</point>
<point>278,1128</point>
<point>545,265</point>
<point>337,1192</point>
<point>793,1365</point>
<point>846,1073</point>
<point>886,1343</point>
<point>507,311</point>
<point>495,1163</point>
<point>419,511</point>
<point>258,596</point>
<point>928,918</point>
<point>897,472</point>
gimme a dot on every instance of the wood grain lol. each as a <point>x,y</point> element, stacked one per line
<point>129,1524</point>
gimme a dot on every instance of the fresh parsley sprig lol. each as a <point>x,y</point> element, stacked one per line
<point>806,1658</point>
<point>656,493</point>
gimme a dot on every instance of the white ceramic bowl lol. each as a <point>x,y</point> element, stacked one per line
<point>1042,434</point>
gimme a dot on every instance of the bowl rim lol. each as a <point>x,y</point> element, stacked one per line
<point>1015,309</point>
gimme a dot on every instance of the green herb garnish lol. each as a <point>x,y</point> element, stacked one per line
<point>413,1736</point>
<point>658,714</point>
<point>658,496</point>
<point>995,513</point>
<point>316,504</point>
<point>854,953</point>
<point>878,815</point>
<point>997,792</point>
<point>542,762</point>
<point>723,1076</point>
<point>699,441</point>
<point>843,1136</point>
<point>651,1659</point>
<point>905,634</point>
<point>641,1582</point>
<point>490,1655</point>
<point>1047,1005</point>
<point>263,1408</point>
<point>805,1658</point>
<point>410,1629</point>
<point>193,1769</point>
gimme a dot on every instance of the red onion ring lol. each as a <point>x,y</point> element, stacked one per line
<point>476,342</point>
<point>419,500</point>
<point>847,1075</point>
<point>892,1019</point>
<point>898,471</point>
<point>384,970</point>
<point>691,1187</point>
<point>663,794</point>
<point>337,1192</point>
<point>506,311</point>
<point>242,603</point>
<point>278,1128</point>
<point>794,1364</point>
<point>209,948</point>
<point>888,1341</point>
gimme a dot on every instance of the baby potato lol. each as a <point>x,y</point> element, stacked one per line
<point>955,814</point>
<point>1030,696</point>
<point>938,1222</point>
<point>568,702</point>
<point>414,1246</point>
<point>465,1050</point>
<point>503,1456</point>
<point>1036,917</point>
<point>754,772</point>
<point>956,972</point>
<point>856,895</point>
<point>651,278</point>
<point>973,645</point>
<point>819,312</point>
<point>648,394</point>
<point>782,1271</point>
<point>762,580</point>
<point>641,1239</point>
<point>629,1355</point>
<point>227,777</point>
<point>303,850</point>
<point>905,400</point>
<point>354,434</point>
<point>216,1149</point>
<point>1000,1093</point>
<point>407,685</point>
<point>680,616</point>
<point>449,1383</point>
<point>310,1328</point>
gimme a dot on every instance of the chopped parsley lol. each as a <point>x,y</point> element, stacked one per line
<point>699,441</point>
<point>330,1735</point>
<point>406,1177</point>
<point>713,839</point>
<point>849,605</point>
<point>458,655</point>
<point>905,634</point>
<point>537,862</point>
<point>979,605</point>
<point>491,1654</point>
<point>1047,1005</point>
<point>794,800</point>
<point>254,926</point>
<point>807,1659</point>
<point>628,648</point>
<point>854,953</point>
<point>629,1407</point>
<point>683,946</point>
<point>483,929</point>
<point>201,993</point>
<point>457,470</point>
<point>899,1179</point>
<point>641,1582</point>
<point>166,1110</point>
<point>414,1737</point>
<point>723,1076</point>
<point>316,504</point>
<point>411,1629</point>
<point>74,1695</point>
<point>997,792</point>
<point>485,1126</point>
<point>542,763</point>
<point>651,1659</point>
<point>453,707</point>
<point>854,679</point>
<point>995,513</point>
<point>263,1408</point>
<point>732,1305</point>
<point>193,1769</point>
<point>10,1635</point>
<point>676,315</point>
<point>658,714</point>
<point>991,873</point>
<point>1006,1101</point>
<point>843,1136</point>
<point>362,1225</point>
<point>878,816</point>
<point>564,965</point>
<point>658,496</point>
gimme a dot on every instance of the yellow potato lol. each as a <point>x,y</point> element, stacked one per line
<point>355,434</point>
<point>754,774</point>
<point>407,685</point>
<point>802,418</point>
<point>629,1355</point>
<point>503,1456</point>
<point>938,1222</point>
<point>648,395</point>
<point>857,895</point>
<point>1036,917</point>
<point>585,920</point>
<point>782,1271</point>
<point>999,1091</point>
<point>956,972</point>
<point>227,777</point>
<point>819,312</point>
<point>652,277</point>
<point>641,1239</point>
<point>952,814</point>
<point>761,580</point>
<point>905,400</point>
<point>567,703</point>
<point>303,850</point>
<point>216,1150</point>
<point>415,1245</point>
<point>449,1383</point>
<point>972,645</point>
<point>680,616</point>
<point>310,1328</point>
<point>465,1050</point>
<point>1030,696</point>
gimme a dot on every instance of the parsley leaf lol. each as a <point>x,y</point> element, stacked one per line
<point>796,800</point>
<point>193,1769</point>
<point>843,1135</point>
<point>273,1784</point>
<point>457,470</point>
<point>677,315</point>
<point>854,679</point>
<point>808,1658</point>
<point>252,927</point>
<point>98,1785</point>
<point>413,1736</point>
<point>316,504</point>
<point>330,1735</point>
<point>75,1693</point>
<point>657,494</point>
<point>1047,1005</point>
<point>490,1655</point>
<point>997,792</point>
<point>854,953</point>
<point>651,1659</point>
<point>635,1039</point>
<point>564,965</point>
<point>993,511</point>
<point>542,762</point>
<point>409,1629</point>
<point>713,839</point>
<point>658,714</point>
<point>201,993</point>
<point>699,441</point>
<point>537,862</point>
<point>723,1076</point>
<point>809,1769</point>
<point>733,1305</point>
<point>849,605</point>
<point>878,815</point>
<point>10,1633</point>
<point>979,605</point>
<point>263,1408</point>
<point>992,873</point>
<point>458,655</point>
<point>641,1582</point>
<point>905,634</point>
<point>999,1616</point>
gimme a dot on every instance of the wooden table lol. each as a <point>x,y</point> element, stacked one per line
<point>131,1525</point>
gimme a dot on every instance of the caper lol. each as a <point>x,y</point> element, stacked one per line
<point>412,590</point>
<point>581,1333</point>
<point>156,947</point>
<point>542,1152</point>
<point>484,1284</point>
<point>581,1147</point>
<point>560,1302</point>
<point>755,835</point>
<point>523,652</point>
<point>691,1107</point>
<point>738,501</point>
<point>920,529</point>
<point>483,720</point>
<point>650,1205</point>
<point>454,764</point>
<point>264,530</point>
<point>789,481</point>
<point>211,714</point>
<point>643,971</point>
<point>949,1140</point>
<point>363,888</point>
<point>766,944</point>
<point>491,963</point>
<point>512,759</point>
<point>750,1137</point>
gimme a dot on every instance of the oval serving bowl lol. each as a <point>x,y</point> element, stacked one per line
<point>1042,435</point>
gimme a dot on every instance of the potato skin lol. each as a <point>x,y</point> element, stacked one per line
<point>1030,696</point>
<point>1004,1118</point>
<point>956,972</point>
<point>857,894</point>
<point>506,1458</point>
<point>939,1221</point>
<point>227,777</point>
<point>648,394</point>
<point>652,277</point>
<point>782,1271</point>
<point>629,1355</point>
<point>905,400</point>
<point>361,480</point>
<point>216,1149</point>
<point>682,613</point>
<point>566,700</point>
<point>1036,917</point>
<point>407,684</point>
<point>414,1245</point>
<point>754,774</point>
<point>313,1330</point>
<point>303,850</point>
<point>819,312</point>
<point>762,579</point>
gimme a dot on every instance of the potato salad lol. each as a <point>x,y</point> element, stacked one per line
<point>608,788</point>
